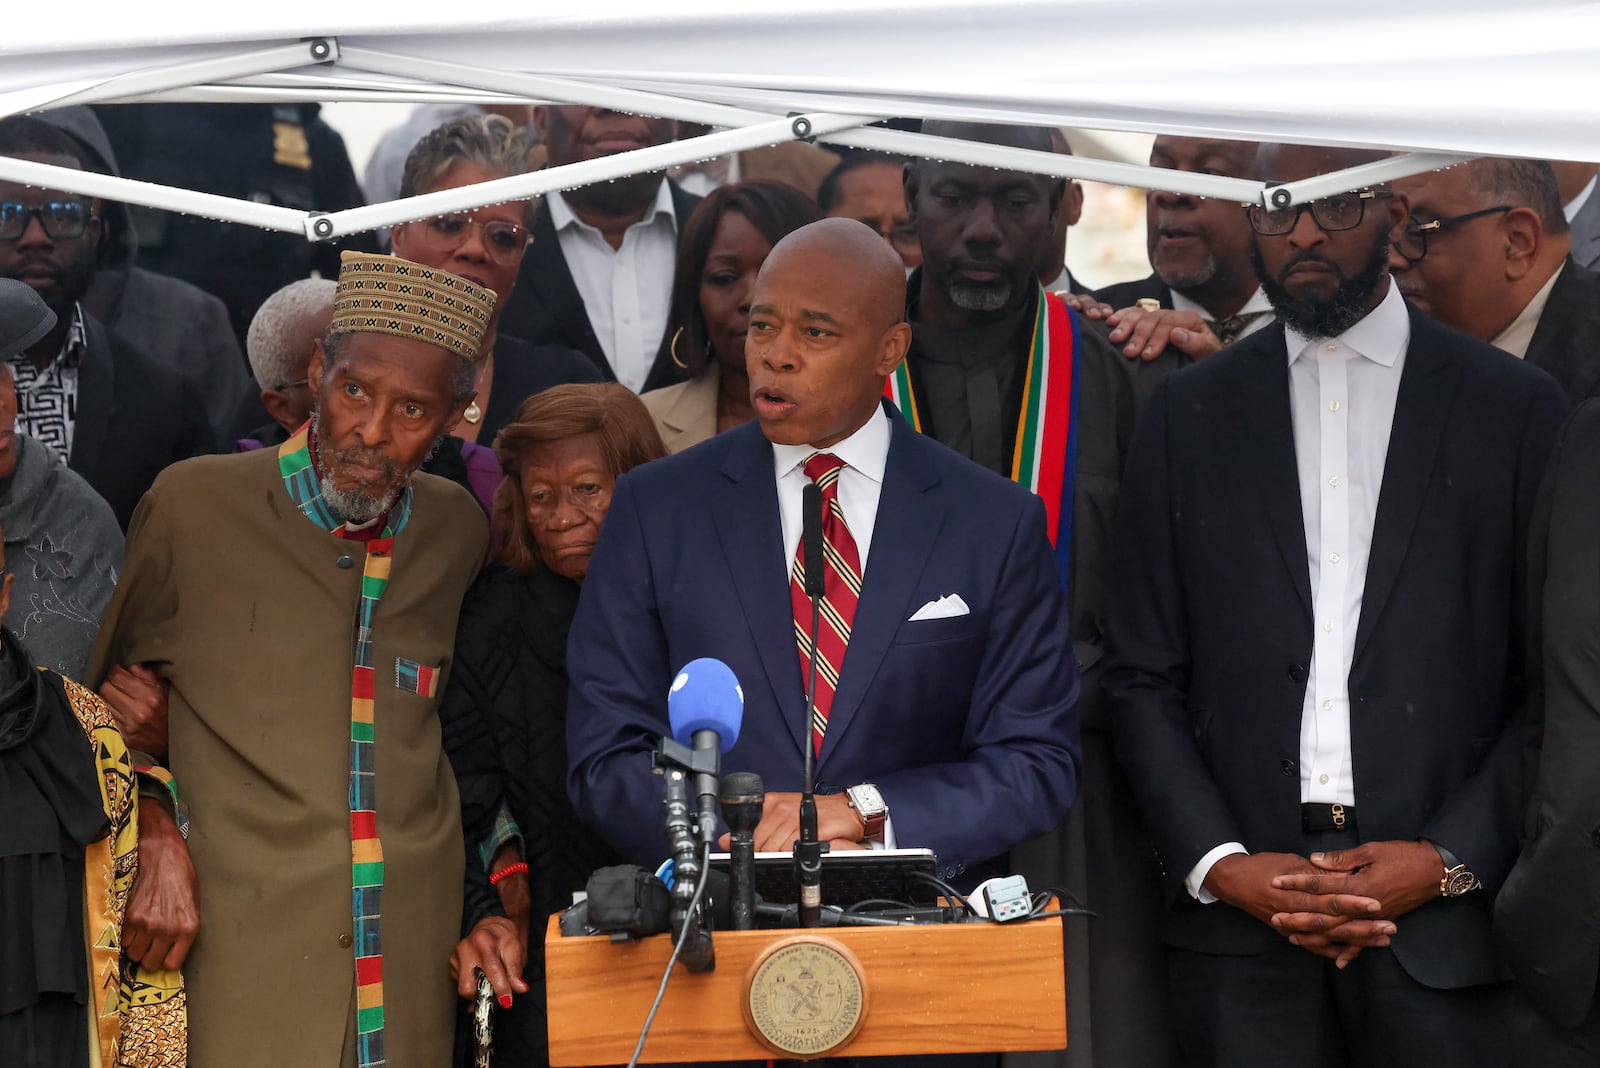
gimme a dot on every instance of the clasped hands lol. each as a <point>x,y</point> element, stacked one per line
<point>838,824</point>
<point>1331,904</point>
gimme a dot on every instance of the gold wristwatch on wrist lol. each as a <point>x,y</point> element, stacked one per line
<point>1458,878</point>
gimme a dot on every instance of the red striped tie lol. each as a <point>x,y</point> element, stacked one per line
<point>841,588</point>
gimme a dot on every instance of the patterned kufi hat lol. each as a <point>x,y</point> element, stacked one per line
<point>389,295</point>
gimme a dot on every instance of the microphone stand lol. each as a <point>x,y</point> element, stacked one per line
<point>676,762</point>
<point>808,850</point>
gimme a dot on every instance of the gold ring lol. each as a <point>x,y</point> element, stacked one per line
<point>1149,304</point>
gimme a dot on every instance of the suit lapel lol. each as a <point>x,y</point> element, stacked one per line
<point>752,543</point>
<point>1563,343</point>
<point>1268,448</point>
<point>96,396</point>
<point>547,279</point>
<point>1421,410</point>
<point>903,535</point>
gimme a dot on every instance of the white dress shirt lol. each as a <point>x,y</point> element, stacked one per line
<point>626,291</point>
<point>1258,302</point>
<point>1342,394</point>
<point>865,453</point>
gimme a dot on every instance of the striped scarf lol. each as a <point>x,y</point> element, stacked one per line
<point>366,851</point>
<point>1044,458</point>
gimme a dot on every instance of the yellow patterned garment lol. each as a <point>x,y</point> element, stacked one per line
<point>140,1018</point>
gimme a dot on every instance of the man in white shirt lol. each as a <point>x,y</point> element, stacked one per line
<point>1487,251</point>
<point>598,276</point>
<point>1314,618</point>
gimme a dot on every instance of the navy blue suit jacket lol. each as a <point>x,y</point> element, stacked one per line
<point>968,725</point>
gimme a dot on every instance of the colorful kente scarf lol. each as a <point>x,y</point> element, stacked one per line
<point>366,851</point>
<point>1046,452</point>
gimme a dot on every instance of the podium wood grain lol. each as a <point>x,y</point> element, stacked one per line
<point>961,988</point>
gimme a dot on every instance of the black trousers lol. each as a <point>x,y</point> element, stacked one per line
<point>1288,1007</point>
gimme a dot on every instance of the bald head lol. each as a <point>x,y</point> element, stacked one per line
<point>864,264</point>
<point>827,326</point>
<point>1036,138</point>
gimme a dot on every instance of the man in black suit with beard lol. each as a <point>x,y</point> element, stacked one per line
<point>1315,670</point>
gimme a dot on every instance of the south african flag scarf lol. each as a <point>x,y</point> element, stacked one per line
<point>1046,451</point>
<point>366,851</point>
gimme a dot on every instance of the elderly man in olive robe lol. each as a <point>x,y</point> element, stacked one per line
<point>301,604</point>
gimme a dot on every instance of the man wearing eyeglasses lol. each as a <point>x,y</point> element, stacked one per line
<point>1487,250</point>
<point>110,410</point>
<point>1315,669</point>
<point>867,187</point>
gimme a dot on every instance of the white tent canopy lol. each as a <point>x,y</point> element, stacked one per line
<point>1440,79</point>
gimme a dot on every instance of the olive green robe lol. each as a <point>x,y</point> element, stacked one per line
<point>248,609</point>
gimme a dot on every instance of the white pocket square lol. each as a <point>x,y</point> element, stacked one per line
<point>946,607</point>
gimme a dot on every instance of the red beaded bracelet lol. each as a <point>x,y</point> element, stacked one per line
<point>519,868</point>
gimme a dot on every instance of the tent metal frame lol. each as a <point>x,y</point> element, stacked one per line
<point>271,74</point>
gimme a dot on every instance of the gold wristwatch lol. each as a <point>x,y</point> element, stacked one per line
<point>1458,878</point>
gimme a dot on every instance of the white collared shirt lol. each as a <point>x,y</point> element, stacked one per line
<point>860,483</point>
<point>1258,302</point>
<point>627,291</point>
<point>1517,336</point>
<point>1342,394</point>
<point>1571,208</point>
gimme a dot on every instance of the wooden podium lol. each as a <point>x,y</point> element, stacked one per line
<point>956,988</point>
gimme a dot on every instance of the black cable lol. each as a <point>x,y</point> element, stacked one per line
<point>881,903</point>
<point>950,892</point>
<point>1061,893</point>
<point>683,935</point>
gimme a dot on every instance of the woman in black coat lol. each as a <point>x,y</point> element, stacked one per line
<point>504,710</point>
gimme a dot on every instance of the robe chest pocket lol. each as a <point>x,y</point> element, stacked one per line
<point>413,677</point>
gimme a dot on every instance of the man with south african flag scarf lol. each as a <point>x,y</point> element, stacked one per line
<point>1011,377</point>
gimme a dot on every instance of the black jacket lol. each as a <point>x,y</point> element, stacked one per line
<point>1548,915</point>
<point>135,417</point>
<point>546,309</point>
<point>1126,294</point>
<point>504,720</point>
<point>1566,342</point>
<point>1209,628</point>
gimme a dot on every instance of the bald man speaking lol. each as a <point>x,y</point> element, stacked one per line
<point>947,692</point>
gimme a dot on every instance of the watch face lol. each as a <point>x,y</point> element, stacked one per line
<point>867,799</point>
<point>1460,881</point>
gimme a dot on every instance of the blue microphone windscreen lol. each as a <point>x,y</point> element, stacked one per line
<point>706,696</point>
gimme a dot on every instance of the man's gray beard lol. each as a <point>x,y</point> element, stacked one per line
<point>353,506</point>
<point>977,298</point>
<point>1193,280</point>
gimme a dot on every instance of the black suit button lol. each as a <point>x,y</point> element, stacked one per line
<point>1288,767</point>
<point>346,562</point>
<point>1297,673</point>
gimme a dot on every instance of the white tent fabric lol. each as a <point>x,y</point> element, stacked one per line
<point>1444,78</point>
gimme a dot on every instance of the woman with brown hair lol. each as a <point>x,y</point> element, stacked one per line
<point>504,709</point>
<point>724,244</point>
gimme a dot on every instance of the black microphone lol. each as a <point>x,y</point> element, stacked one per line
<point>808,850</point>
<point>832,916</point>
<point>743,797</point>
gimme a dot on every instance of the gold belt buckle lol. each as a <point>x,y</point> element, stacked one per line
<point>1338,816</point>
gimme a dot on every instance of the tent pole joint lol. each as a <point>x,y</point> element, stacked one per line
<point>323,49</point>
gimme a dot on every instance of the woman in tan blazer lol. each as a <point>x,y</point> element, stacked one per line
<point>724,244</point>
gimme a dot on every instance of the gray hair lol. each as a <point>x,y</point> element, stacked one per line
<point>273,359</point>
<point>492,142</point>
<point>1522,183</point>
